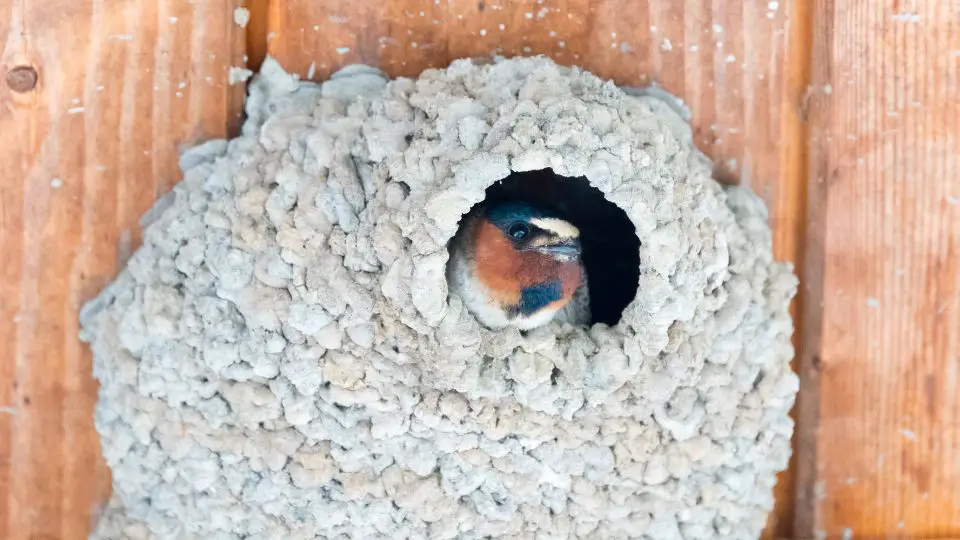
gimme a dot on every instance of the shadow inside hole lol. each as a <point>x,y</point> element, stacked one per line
<point>611,249</point>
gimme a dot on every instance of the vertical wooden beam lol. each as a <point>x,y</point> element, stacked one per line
<point>96,99</point>
<point>790,225</point>
<point>885,195</point>
<point>816,112</point>
<point>257,31</point>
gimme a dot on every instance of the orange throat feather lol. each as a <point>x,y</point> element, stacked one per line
<point>511,275</point>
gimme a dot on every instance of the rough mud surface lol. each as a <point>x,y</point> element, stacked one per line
<point>281,358</point>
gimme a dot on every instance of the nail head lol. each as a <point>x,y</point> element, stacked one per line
<point>22,79</point>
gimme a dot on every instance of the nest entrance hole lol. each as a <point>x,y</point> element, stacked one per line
<point>611,249</point>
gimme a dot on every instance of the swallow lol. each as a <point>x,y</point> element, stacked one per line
<point>516,264</point>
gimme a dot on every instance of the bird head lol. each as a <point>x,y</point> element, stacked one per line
<point>531,230</point>
<point>527,256</point>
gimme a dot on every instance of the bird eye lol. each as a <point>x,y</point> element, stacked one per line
<point>519,231</point>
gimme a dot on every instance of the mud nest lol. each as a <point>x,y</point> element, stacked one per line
<point>282,357</point>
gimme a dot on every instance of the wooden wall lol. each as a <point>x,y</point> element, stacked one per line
<point>880,416</point>
<point>843,115</point>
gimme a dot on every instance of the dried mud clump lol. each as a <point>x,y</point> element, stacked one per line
<point>282,357</point>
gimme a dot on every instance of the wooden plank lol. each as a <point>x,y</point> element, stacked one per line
<point>120,86</point>
<point>729,61</point>
<point>257,30</point>
<point>790,229</point>
<point>885,200</point>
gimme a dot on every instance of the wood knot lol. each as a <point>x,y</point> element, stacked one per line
<point>22,79</point>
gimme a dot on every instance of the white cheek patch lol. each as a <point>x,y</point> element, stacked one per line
<point>559,227</point>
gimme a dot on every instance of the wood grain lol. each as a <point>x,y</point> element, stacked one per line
<point>122,85</point>
<point>885,198</point>
<point>727,60</point>
<point>791,222</point>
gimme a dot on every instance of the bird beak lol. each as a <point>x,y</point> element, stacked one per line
<point>563,249</point>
